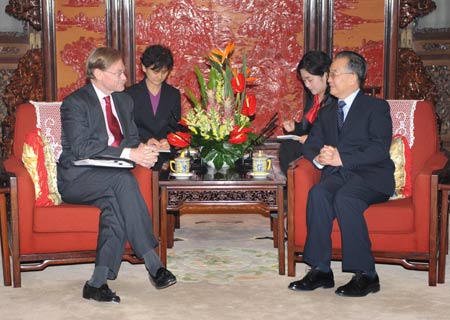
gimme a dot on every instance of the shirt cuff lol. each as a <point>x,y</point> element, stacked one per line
<point>318,165</point>
<point>125,153</point>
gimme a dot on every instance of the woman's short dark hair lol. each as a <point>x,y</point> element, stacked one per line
<point>356,63</point>
<point>157,57</point>
<point>315,62</point>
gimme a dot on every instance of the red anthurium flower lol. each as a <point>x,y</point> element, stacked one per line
<point>249,106</point>
<point>239,135</point>
<point>238,83</point>
<point>238,129</point>
<point>238,138</point>
<point>179,139</point>
<point>183,122</point>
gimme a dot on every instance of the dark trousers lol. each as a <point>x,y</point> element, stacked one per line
<point>344,196</point>
<point>124,214</point>
<point>288,152</point>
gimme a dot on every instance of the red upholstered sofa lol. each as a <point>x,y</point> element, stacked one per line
<point>402,231</point>
<point>52,235</point>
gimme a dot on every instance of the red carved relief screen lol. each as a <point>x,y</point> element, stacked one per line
<point>270,32</point>
<point>80,27</point>
<point>359,26</point>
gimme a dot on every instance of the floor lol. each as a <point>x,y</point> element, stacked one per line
<point>227,269</point>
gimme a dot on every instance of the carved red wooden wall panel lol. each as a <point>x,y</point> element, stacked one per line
<point>270,32</point>
<point>359,25</point>
<point>80,27</point>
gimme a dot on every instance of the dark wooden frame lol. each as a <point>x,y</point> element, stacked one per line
<point>49,50</point>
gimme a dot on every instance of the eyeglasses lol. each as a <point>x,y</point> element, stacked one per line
<point>334,74</point>
<point>117,73</point>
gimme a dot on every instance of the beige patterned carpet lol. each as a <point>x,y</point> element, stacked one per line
<point>227,269</point>
<point>221,249</point>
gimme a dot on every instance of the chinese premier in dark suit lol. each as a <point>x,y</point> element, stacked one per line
<point>350,142</point>
<point>97,120</point>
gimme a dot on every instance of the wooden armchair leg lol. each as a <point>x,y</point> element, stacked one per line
<point>5,242</point>
<point>443,237</point>
<point>14,246</point>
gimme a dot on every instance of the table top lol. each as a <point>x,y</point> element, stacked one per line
<point>205,175</point>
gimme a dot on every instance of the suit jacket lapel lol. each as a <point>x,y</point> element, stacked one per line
<point>351,113</point>
<point>122,116</point>
<point>97,113</point>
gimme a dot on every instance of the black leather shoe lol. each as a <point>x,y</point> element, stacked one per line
<point>312,280</point>
<point>102,294</point>
<point>163,279</point>
<point>360,285</point>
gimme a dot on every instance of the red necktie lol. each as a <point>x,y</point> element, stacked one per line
<point>113,124</point>
<point>312,113</point>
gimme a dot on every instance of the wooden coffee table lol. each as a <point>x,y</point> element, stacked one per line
<point>225,191</point>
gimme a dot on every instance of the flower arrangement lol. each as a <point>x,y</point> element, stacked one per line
<point>220,123</point>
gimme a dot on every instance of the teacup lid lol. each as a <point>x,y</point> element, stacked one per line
<point>182,155</point>
<point>260,155</point>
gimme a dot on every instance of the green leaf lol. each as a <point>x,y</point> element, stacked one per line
<point>218,161</point>
<point>201,82</point>
<point>193,98</point>
<point>244,72</point>
<point>213,76</point>
<point>228,90</point>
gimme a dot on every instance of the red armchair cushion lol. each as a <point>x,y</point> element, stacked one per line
<point>66,218</point>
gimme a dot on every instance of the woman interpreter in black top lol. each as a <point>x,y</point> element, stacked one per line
<point>313,71</point>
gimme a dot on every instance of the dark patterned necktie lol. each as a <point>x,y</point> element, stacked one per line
<point>113,124</point>
<point>340,118</point>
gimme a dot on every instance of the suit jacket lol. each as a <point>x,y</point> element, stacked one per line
<point>84,133</point>
<point>363,142</point>
<point>167,115</point>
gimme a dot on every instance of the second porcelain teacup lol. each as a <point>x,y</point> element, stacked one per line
<point>261,163</point>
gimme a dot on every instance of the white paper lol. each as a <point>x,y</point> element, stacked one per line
<point>288,137</point>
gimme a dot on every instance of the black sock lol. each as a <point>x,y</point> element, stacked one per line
<point>152,262</point>
<point>323,267</point>
<point>99,277</point>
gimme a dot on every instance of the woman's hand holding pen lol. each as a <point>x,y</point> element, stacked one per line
<point>288,125</point>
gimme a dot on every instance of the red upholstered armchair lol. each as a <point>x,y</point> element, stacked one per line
<point>58,234</point>
<point>402,231</point>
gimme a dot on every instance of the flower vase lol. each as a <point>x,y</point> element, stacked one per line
<point>210,164</point>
